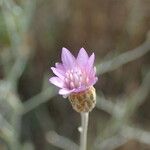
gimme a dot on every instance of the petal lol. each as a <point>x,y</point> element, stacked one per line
<point>57,81</point>
<point>89,67</point>
<point>92,72</point>
<point>59,66</point>
<point>82,57</point>
<point>65,91</point>
<point>91,60</point>
<point>58,72</point>
<point>80,89</point>
<point>93,81</point>
<point>67,58</point>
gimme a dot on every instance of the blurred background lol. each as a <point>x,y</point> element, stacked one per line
<point>32,33</point>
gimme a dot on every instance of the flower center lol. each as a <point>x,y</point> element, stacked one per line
<point>76,78</point>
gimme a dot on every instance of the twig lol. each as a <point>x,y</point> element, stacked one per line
<point>110,65</point>
<point>125,134</point>
<point>60,141</point>
<point>131,102</point>
<point>136,133</point>
<point>137,98</point>
<point>17,70</point>
<point>5,124</point>
<point>106,105</point>
<point>8,134</point>
<point>112,143</point>
<point>39,99</point>
<point>126,111</point>
<point>15,20</point>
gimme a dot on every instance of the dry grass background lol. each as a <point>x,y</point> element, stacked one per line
<point>32,115</point>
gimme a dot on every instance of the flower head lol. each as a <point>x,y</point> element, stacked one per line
<point>74,75</point>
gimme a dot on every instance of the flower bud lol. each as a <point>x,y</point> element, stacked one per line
<point>83,101</point>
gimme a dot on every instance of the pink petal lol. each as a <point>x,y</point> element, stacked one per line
<point>57,81</point>
<point>80,89</point>
<point>93,81</point>
<point>91,60</point>
<point>58,72</point>
<point>65,91</point>
<point>82,57</point>
<point>92,72</point>
<point>60,66</point>
<point>89,67</point>
<point>67,58</point>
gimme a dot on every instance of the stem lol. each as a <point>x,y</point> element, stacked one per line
<point>84,128</point>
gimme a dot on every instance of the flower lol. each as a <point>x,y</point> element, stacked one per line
<point>74,75</point>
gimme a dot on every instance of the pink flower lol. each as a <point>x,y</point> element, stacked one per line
<point>74,75</point>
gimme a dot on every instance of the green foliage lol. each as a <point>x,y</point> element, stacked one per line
<point>4,38</point>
